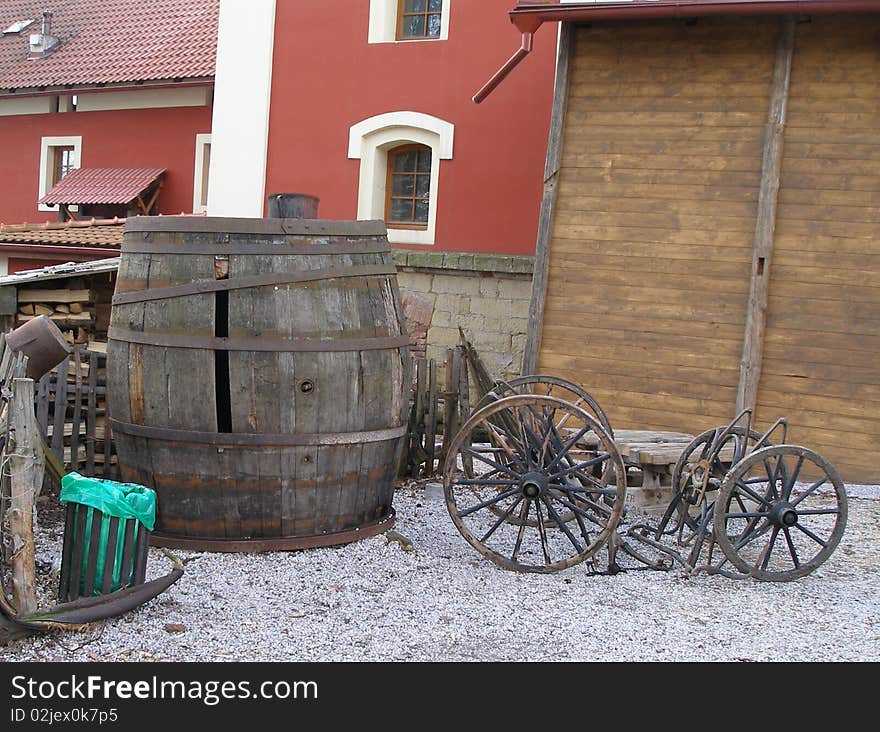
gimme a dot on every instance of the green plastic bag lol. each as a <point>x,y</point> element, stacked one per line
<point>125,501</point>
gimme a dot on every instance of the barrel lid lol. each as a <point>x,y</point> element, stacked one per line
<point>225,225</point>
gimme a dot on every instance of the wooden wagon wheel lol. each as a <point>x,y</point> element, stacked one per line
<point>531,472</point>
<point>772,521</point>
<point>698,474</point>
<point>554,386</point>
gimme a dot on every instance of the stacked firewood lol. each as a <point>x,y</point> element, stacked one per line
<point>70,308</point>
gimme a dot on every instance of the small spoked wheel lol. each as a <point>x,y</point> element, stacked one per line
<point>780,513</point>
<point>537,500</point>
<point>554,386</point>
<point>699,472</point>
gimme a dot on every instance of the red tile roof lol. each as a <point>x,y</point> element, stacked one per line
<point>94,233</point>
<point>102,185</point>
<point>110,42</point>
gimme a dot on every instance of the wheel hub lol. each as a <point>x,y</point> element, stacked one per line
<point>533,485</point>
<point>783,515</point>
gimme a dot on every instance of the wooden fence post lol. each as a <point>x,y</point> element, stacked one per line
<point>25,454</point>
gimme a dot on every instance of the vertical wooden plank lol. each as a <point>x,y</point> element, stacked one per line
<point>431,417</point>
<point>67,553</point>
<point>91,406</point>
<point>765,226</point>
<point>127,552</point>
<point>548,202</point>
<point>465,402</point>
<point>140,555</point>
<point>77,408</point>
<point>43,404</point>
<point>60,415</point>
<point>110,557</point>
<point>92,556</point>
<point>78,541</point>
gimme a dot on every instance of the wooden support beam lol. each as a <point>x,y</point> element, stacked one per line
<point>765,226</point>
<point>548,201</point>
<point>26,478</point>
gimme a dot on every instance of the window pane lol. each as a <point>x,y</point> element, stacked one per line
<point>433,25</point>
<point>423,183</point>
<point>435,5</point>
<point>414,26</point>
<point>402,211</point>
<point>414,6</point>
<point>404,161</point>
<point>424,165</point>
<point>402,185</point>
<point>421,212</point>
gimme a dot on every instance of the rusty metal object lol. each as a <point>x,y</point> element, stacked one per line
<point>42,342</point>
<point>533,470</point>
<point>364,531</point>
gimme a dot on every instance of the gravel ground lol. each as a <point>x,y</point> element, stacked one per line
<point>372,601</point>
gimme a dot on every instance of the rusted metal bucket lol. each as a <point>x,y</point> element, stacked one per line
<point>42,342</point>
<point>293,206</point>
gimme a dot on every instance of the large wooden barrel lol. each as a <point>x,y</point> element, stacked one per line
<point>258,375</point>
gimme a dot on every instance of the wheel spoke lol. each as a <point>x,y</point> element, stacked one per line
<point>484,504</point>
<point>789,484</point>
<point>769,548</point>
<point>818,511</point>
<point>498,466</point>
<point>598,460</point>
<point>523,517</point>
<point>745,515</point>
<point>583,489</point>
<point>809,490</point>
<point>542,531</point>
<point>562,525</point>
<point>791,549</point>
<point>578,511</point>
<point>501,519</point>
<point>812,535</point>
<point>568,446</point>
<point>742,486</point>
<point>745,539</point>
<point>484,481</point>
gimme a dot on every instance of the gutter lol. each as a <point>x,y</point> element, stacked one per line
<point>528,17</point>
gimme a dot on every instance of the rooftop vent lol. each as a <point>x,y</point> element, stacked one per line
<point>44,42</point>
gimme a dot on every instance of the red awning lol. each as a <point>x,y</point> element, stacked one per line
<point>102,185</point>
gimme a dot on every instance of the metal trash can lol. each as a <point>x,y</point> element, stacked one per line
<point>106,535</point>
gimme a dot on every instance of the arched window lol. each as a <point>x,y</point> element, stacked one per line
<point>408,187</point>
<point>406,196</point>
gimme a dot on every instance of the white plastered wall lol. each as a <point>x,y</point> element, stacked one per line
<point>242,92</point>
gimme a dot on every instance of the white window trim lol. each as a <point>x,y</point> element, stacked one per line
<point>46,143</point>
<point>202,139</point>
<point>371,139</point>
<point>383,23</point>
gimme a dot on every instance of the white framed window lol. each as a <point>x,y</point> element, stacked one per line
<point>371,141</point>
<point>200,174</point>
<point>58,156</point>
<point>394,21</point>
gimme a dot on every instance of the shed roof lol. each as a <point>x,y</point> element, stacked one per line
<point>102,185</point>
<point>57,271</point>
<point>109,42</point>
<point>94,233</point>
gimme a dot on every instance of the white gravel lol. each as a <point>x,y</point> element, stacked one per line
<point>371,601</point>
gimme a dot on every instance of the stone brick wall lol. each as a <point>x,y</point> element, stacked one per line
<point>487,295</point>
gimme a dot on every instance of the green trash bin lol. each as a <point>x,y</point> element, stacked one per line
<point>106,535</point>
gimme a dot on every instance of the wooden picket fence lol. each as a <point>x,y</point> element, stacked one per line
<point>72,414</point>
